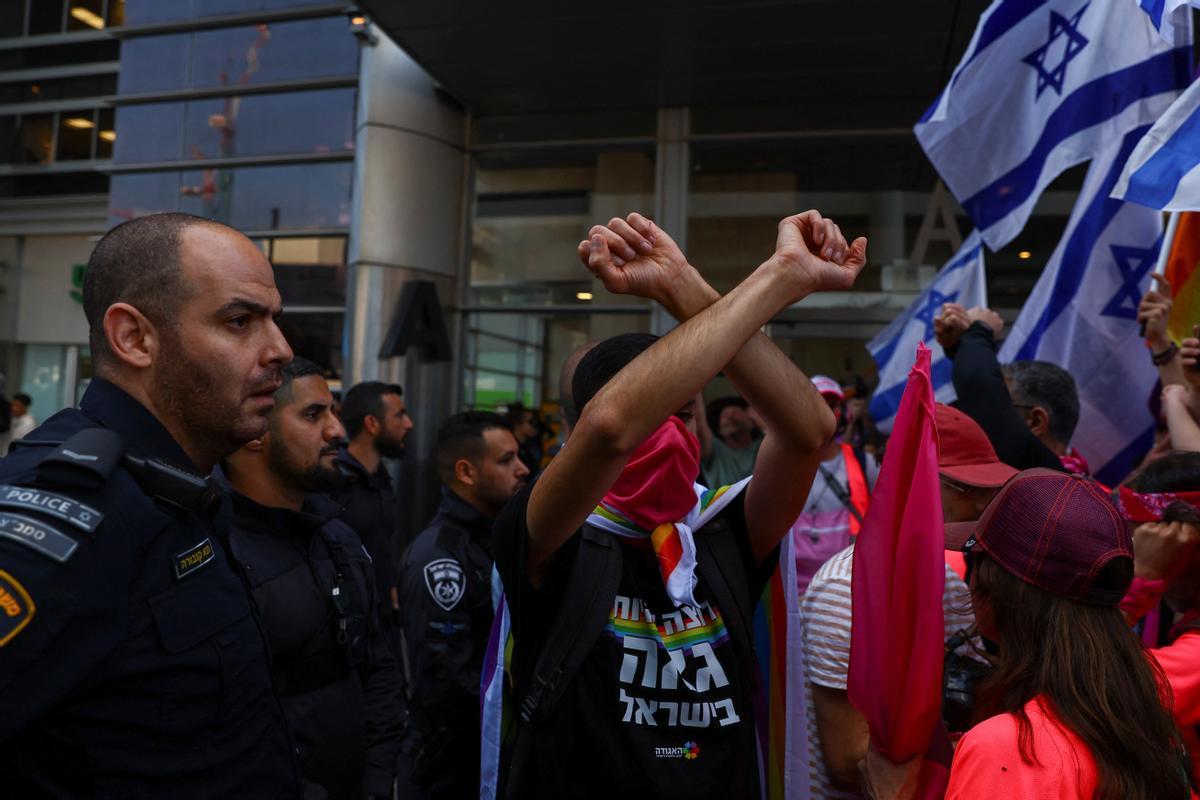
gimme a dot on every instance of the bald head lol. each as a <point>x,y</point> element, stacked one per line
<point>139,262</point>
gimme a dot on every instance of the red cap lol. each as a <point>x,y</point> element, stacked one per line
<point>964,452</point>
<point>1055,531</point>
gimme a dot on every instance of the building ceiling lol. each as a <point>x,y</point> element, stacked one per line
<point>844,63</point>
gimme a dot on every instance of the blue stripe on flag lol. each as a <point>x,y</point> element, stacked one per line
<point>1156,181</point>
<point>928,115</point>
<point>1007,16</point>
<point>1155,9</point>
<point>1100,211</point>
<point>1119,465</point>
<point>884,355</point>
<point>1090,104</point>
<point>884,405</point>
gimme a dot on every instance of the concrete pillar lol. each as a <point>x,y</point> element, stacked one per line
<point>624,183</point>
<point>671,183</point>
<point>886,227</point>
<point>410,173</point>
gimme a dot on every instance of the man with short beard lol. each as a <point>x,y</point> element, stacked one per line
<point>446,602</point>
<point>131,664</point>
<point>314,587</point>
<point>377,423</point>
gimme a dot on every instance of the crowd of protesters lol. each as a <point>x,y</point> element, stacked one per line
<point>238,526</point>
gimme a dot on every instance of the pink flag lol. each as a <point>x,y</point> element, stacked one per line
<point>898,632</point>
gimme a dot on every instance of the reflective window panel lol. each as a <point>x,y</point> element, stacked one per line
<point>252,54</point>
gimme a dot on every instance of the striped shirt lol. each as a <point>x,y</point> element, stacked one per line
<point>825,616</point>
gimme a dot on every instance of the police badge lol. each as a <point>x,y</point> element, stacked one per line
<point>446,582</point>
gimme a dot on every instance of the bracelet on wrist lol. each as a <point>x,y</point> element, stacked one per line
<point>1165,356</point>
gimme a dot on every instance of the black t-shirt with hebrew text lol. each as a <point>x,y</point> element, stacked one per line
<point>661,707</point>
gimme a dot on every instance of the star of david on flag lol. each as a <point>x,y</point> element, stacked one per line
<point>961,280</point>
<point>1133,264</point>
<point>933,304</point>
<point>1082,316</point>
<point>1044,85</point>
<point>1060,26</point>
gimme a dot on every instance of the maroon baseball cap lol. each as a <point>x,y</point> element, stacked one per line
<point>1055,531</point>
<point>964,452</point>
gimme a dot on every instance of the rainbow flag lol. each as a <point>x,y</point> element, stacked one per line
<point>1183,271</point>
<point>779,707</point>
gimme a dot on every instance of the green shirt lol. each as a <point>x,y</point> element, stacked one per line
<point>726,465</point>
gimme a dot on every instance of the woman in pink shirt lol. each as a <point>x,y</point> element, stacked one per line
<point>1163,502</point>
<point>1073,708</point>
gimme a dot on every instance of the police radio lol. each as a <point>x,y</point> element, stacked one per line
<point>89,458</point>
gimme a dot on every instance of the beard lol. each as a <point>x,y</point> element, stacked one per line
<point>389,446</point>
<point>199,394</point>
<point>314,478</point>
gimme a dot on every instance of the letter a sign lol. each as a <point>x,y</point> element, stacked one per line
<point>418,322</point>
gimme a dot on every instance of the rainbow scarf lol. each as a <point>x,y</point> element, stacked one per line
<point>779,706</point>
<point>674,543</point>
<point>656,499</point>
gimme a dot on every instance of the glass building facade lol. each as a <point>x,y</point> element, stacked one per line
<point>243,112</point>
<point>255,113</point>
<point>719,180</point>
<point>58,69</point>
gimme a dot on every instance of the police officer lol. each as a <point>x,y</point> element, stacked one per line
<point>446,603</point>
<point>377,424</point>
<point>313,583</point>
<point>131,661</point>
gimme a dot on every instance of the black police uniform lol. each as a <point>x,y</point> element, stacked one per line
<point>336,677</point>
<point>368,505</point>
<point>446,611</point>
<point>131,661</point>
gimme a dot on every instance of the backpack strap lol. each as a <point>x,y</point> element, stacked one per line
<point>586,605</point>
<point>719,564</point>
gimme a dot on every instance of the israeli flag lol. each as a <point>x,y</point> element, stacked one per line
<point>1164,170</point>
<point>1082,315</point>
<point>1044,85</point>
<point>961,280</point>
<point>1166,16</point>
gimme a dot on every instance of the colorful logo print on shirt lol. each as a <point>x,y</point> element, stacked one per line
<point>690,751</point>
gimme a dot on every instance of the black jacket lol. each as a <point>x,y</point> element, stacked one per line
<point>983,396</point>
<point>133,665</point>
<point>342,699</point>
<point>446,607</point>
<point>368,506</point>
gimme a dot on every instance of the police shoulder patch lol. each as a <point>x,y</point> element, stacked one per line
<point>36,535</point>
<point>446,582</point>
<point>16,607</point>
<point>25,498</point>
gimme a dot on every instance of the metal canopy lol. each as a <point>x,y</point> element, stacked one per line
<point>848,64</point>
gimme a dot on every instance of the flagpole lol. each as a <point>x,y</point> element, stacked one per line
<point>1164,252</point>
